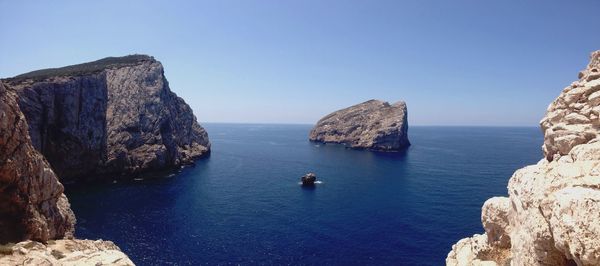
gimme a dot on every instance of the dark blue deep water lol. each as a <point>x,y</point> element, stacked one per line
<point>243,205</point>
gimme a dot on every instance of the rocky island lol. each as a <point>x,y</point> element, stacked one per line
<point>308,179</point>
<point>373,125</point>
<point>551,214</point>
<point>113,117</point>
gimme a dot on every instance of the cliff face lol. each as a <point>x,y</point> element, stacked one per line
<point>552,212</point>
<point>33,208</point>
<point>115,116</point>
<point>374,125</point>
<point>32,203</point>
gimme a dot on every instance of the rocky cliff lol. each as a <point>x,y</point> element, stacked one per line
<point>374,125</point>
<point>552,212</point>
<point>574,117</point>
<point>32,203</point>
<point>33,208</point>
<point>114,116</point>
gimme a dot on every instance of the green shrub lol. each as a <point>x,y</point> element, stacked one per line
<point>83,69</point>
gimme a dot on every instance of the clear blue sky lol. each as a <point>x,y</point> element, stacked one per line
<point>454,62</point>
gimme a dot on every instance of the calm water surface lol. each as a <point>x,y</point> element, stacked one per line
<point>243,205</point>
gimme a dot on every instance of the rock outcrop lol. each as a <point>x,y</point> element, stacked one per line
<point>574,117</point>
<point>552,212</point>
<point>308,179</point>
<point>374,125</point>
<point>115,116</point>
<point>32,203</point>
<point>33,208</point>
<point>63,252</point>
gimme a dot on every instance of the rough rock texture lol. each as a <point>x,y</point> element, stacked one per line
<point>63,252</point>
<point>554,206</point>
<point>494,216</point>
<point>32,203</point>
<point>574,117</point>
<point>477,251</point>
<point>115,116</point>
<point>374,125</point>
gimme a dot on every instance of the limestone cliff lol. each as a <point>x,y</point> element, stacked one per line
<point>32,203</point>
<point>33,208</point>
<point>374,125</point>
<point>552,212</point>
<point>114,116</point>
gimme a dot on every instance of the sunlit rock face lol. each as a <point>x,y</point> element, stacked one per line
<point>112,117</point>
<point>552,212</point>
<point>574,117</point>
<point>32,203</point>
<point>374,125</point>
<point>63,252</point>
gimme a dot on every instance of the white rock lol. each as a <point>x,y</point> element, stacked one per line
<point>65,252</point>
<point>494,217</point>
<point>552,214</point>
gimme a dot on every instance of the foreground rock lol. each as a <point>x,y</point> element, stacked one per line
<point>374,125</point>
<point>552,212</point>
<point>63,252</point>
<point>109,117</point>
<point>32,203</point>
<point>308,179</point>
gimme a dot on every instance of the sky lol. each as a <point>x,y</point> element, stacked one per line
<point>491,63</point>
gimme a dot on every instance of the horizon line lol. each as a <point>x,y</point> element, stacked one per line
<point>312,124</point>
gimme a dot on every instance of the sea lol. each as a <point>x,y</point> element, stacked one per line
<point>244,205</point>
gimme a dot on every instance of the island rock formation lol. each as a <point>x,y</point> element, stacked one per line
<point>308,179</point>
<point>115,116</point>
<point>552,212</point>
<point>374,125</point>
<point>33,209</point>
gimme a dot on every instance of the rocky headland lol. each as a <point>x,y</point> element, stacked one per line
<point>551,214</point>
<point>113,117</point>
<point>33,209</point>
<point>373,125</point>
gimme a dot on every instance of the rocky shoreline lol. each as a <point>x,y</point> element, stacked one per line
<point>551,214</point>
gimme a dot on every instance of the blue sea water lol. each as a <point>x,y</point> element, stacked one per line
<point>243,204</point>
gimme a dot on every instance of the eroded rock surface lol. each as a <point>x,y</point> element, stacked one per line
<point>63,252</point>
<point>477,251</point>
<point>553,206</point>
<point>374,125</point>
<point>115,116</point>
<point>494,217</point>
<point>32,203</point>
<point>574,117</point>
